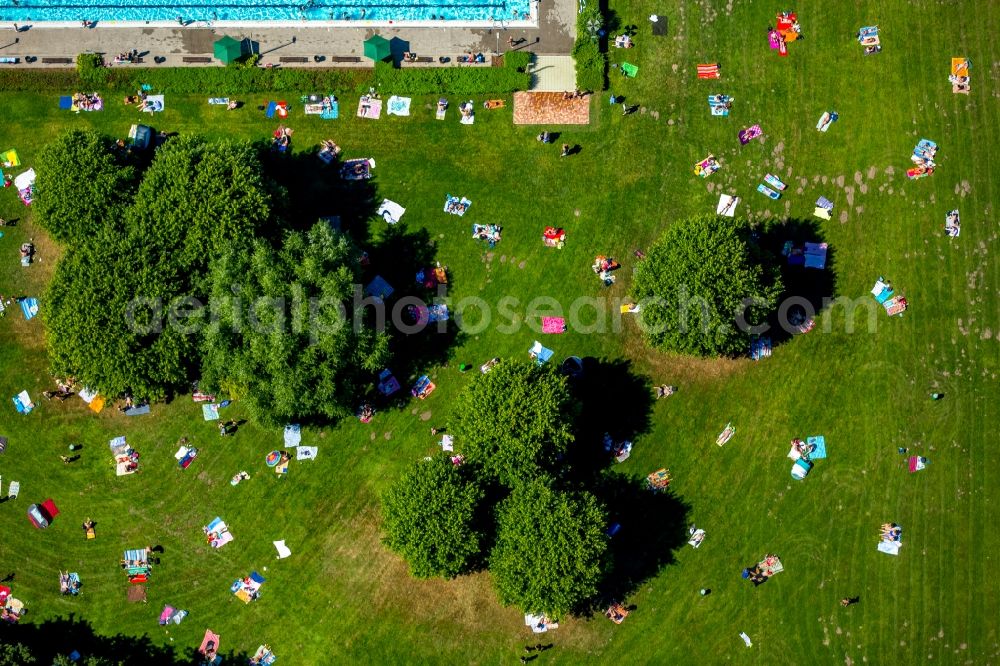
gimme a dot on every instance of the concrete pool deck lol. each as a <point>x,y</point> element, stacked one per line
<point>554,35</point>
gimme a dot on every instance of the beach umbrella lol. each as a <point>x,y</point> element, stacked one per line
<point>227,49</point>
<point>377,48</point>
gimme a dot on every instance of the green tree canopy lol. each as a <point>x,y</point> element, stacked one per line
<point>514,421</point>
<point>82,185</point>
<point>196,201</point>
<point>549,552</point>
<point>284,340</point>
<point>697,280</point>
<point>429,515</point>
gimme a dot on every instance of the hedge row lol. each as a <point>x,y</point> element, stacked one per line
<point>237,79</point>
<point>456,80</point>
<point>591,61</point>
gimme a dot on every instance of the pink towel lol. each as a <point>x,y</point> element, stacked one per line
<point>553,325</point>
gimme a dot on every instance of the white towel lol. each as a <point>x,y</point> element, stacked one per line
<point>306,452</point>
<point>746,639</point>
<point>283,550</point>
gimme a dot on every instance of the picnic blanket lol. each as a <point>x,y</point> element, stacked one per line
<point>553,325</point>
<point>456,205</point>
<point>390,211</point>
<point>306,452</point>
<point>369,108</point>
<point>709,71</point>
<point>399,106</point>
<point>727,205</point>
<point>210,411</point>
<point>749,134</point>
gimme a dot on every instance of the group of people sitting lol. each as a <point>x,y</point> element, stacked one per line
<point>604,266</point>
<point>575,94</point>
<point>68,585</point>
<point>329,147</point>
<point>127,56</point>
<point>64,389</point>
<point>282,138</point>
<point>87,101</point>
<point>456,207</point>
<point>891,532</point>
<point>469,57</point>
<point>624,41</point>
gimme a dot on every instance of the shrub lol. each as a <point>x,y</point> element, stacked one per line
<point>455,80</point>
<point>90,67</point>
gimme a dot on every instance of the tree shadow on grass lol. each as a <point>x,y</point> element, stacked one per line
<point>805,289</point>
<point>611,399</point>
<point>62,636</point>
<point>651,527</point>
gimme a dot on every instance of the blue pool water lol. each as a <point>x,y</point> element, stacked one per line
<point>26,11</point>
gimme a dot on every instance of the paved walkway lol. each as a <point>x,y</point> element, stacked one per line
<point>553,73</point>
<point>554,35</point>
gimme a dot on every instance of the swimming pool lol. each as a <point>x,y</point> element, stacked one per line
<point>230,11</point>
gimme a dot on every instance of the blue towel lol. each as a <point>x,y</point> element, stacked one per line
<point>137,411</point>
<point>332,113</point>
<point>146,87</point>
<point>256,577</point>
<point>271,108</point>
<point>29,306</point>
<point>65,103</point>
<point>819,447</point>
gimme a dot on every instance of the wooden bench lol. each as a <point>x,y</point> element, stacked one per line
<point>193,59</point>
<point>423,59</point>
<point>57,61</point>
<point>293,59</point>
<point>345,59</point>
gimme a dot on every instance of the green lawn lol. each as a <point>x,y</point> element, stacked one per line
<point>343,596</point>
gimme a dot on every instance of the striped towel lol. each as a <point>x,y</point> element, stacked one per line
<point>710,71</point>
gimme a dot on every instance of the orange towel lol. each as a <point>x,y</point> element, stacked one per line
<point>494,104</point>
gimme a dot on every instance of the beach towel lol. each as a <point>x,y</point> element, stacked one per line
<point>369,108</point>
<point>727,205</point>
<point>710,71</point>
<point>332,111</point>
<point>468,113</point>
<point>749,134</point>
<point>494,104</point>
<point>390,211</point>
<point>767,191</point>
<point>357,169</point>
<point>889,547</point>
<point>455,205</point>
<point>221,101</point>
<point>272,106</point>
<point>540,353</point>
<point>136,593</point>
<point>952,224</point>
<point>719,110</point>
<point>447,443</point>
<point>283,550</point>
<point>746,639</point>
<point>726,434</point>
<point>815,255</point>
<point>22,402</point>
<point>29,307</point>
<point>630,70</point>
<point>306,452</point>
<point>210,641</point>
<point>97,404</point>
<point>137,411</point>
<point>823,202</point>
<point>292,435</point>
<point>774,182</point>
<point>553,325</point>
<point>822,213</point>
<point>153,104</point>
<point>818,444</point>
<point>696,538</point>
<point>399,106</point>
<point>210,411</point>
<point>65,103</point>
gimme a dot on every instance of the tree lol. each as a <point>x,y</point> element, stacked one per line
<point>82,186</point>
<point>514,421</point>
<point>15,654</point>
<point>702,285</point>
<point>429,517</point>
<point>549,553</point>
<point>283,339</point>
<point>111,309</point>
